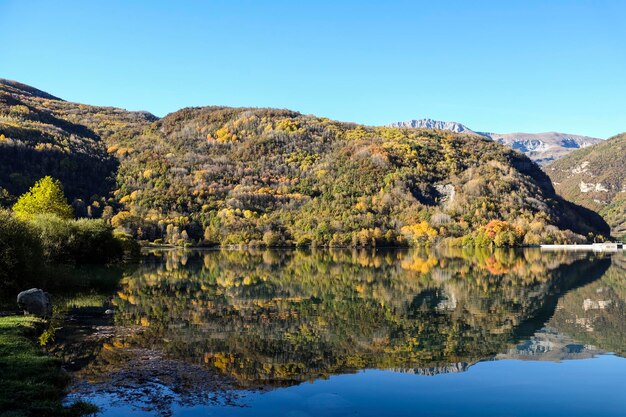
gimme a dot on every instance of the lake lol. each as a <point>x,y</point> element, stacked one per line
<point>352,332</point>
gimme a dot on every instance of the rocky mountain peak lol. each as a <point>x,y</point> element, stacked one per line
<point>433,124</point>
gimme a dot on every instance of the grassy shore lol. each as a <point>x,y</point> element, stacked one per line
<point>31,382</point>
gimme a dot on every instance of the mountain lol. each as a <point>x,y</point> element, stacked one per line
<point>540,147</point>
<point>543,147</point>
<point>594,177</point>
<point>433,124</point>
<point>220,175</point>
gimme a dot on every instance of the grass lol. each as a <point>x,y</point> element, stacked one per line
<point>84,300</point>
<point>31,382</point>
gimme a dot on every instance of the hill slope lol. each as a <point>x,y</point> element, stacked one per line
<point>540,147</point>
<point>595,178</point>
<point>243,175</point>
<point>251,175</point>
<point>43,135</point>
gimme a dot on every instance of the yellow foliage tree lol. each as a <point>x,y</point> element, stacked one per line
<point>45,197</point>
<point>419,233</point>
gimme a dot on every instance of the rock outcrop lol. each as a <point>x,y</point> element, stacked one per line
<point>35,301</point>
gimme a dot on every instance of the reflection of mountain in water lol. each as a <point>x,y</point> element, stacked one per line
<point>436,370</point>
<point>278,318</point>
<point>595,314</point>
<point>549,345</point>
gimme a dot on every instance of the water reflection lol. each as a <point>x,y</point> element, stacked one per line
<point>595,314</point>
<point>273,318</point>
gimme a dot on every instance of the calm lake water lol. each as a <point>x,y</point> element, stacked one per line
<point>363,333</point>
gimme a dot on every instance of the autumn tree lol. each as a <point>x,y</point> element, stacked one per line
<point>45,197</point>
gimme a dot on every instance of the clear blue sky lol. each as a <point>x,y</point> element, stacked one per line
<point>498,66</point>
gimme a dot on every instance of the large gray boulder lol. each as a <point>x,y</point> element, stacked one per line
<point>35,301</point>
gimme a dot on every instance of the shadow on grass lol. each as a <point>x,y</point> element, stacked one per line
<point>31,382</point>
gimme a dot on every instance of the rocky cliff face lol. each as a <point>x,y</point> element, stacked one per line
<point>433,124</point>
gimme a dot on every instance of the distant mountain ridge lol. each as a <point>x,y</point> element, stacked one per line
<point>434,124</point>
<point>542,148</point>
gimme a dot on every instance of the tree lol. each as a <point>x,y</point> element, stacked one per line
<point>45,197</point>
<point>419,232</point>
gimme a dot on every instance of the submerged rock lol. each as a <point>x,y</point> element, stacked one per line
<point>35,301</point>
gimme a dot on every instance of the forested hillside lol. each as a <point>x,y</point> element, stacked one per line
<point>216,175</point>
<point>43,135</point>
<point>595,177</point>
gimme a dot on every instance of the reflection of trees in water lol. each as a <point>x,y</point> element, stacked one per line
<point>281,317</point>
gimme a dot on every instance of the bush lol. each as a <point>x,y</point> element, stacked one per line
<point>20,250</point>
<point>54,235</point>
<point>130,247</point>
<point>76,241</point>
<point>94,242</point>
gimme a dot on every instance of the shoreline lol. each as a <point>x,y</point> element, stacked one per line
<point>596,247</point>
<point>34,382</point>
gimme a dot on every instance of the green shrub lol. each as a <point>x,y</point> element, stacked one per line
<point>95,242</point>
<point>129,246</point>
<point>54,235</point>
<point>20,250</point>
<point>76,241</point>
